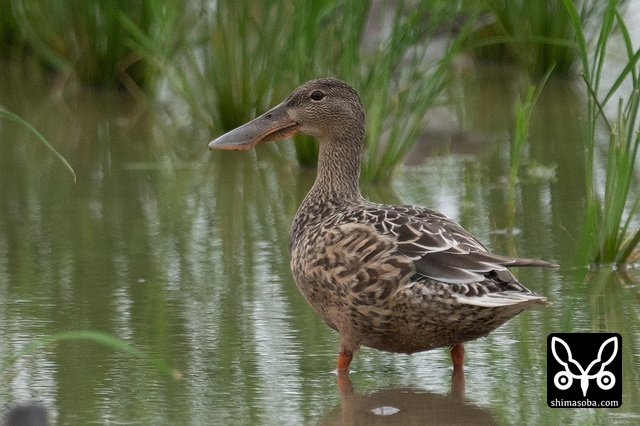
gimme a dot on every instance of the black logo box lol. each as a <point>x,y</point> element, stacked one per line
<point>584,370</point>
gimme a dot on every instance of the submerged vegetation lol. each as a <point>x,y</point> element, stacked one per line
<point>107,340</point>
<point>218,64</point>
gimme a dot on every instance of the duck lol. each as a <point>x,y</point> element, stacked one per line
<point>397,278</point>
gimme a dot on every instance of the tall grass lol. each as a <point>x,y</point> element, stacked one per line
<point>401,82</point>
<point>248,55</point>
<point>227,75</point>
<point>393,69</point>
<point>327,41</point>
<point>524,108</point>
<point>533,34</point>
<point>610,210</point>
<point>229,60</point>
<point>87,39</point>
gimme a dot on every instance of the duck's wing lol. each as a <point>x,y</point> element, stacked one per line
<point>439,248</point>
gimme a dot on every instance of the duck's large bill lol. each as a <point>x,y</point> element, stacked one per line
<point>272,125</point>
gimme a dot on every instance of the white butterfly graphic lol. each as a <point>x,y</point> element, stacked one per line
<point>564,379</point>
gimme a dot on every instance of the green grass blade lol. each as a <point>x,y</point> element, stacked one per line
<point>92,336</point>
<point>598,104</point>
<point>601,46</point>
<point>11,116</point>
<point>628,44</point>
<point>629,242</point>
<point>523,118</point>
<point>576,23</point>
<point>629,245</point>
<point>628,70</point>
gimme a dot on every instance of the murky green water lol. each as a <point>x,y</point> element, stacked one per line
<point>183,254</point>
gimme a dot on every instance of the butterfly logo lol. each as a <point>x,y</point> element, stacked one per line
<point>564,379</point>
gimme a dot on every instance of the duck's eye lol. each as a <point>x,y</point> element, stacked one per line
<point>317,95</point>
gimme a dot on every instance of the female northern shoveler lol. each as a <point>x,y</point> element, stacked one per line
<point>395,278</point>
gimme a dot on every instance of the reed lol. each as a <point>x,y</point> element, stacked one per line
<point>327,41</point>
<point>523,118</point>
<point>227,74</point>
<point>86,39</point>
<point>247,55</point>
<point>524,108</point>
<point>402,82</point>
<point>610,207</point>
<point>533,34</point>
<point>394,69</point>
<point>229,60</point>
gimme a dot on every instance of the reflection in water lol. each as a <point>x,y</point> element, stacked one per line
<point>405,406</point>
<point>26,415</point>
<point>615,307</point>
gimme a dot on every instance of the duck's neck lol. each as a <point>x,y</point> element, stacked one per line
<point>338,176</point>
<point>336,188</point>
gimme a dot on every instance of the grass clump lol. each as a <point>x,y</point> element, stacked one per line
<point>401,82</point>
<point>228,74</point>
<point>609,208</point>
<point>87,38</point>
<point>249,55</point>
<point>536,35</point>
<point>394,69</point>
<point>229,60</point>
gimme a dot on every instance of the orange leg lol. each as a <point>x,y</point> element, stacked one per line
<point>457,356</point>
<point>344,359</point>
<point>345,387</point>
<point>457,378</point>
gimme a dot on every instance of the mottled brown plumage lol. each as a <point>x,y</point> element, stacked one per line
<point>395,278</point>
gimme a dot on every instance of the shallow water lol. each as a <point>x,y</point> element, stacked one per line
<point>182,254</point>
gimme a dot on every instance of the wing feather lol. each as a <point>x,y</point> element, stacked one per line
<point>440,248</point>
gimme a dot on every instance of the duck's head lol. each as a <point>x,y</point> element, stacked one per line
<point>327,109</point>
